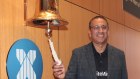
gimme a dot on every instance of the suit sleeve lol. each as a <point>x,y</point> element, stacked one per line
<point>124,69</point>
<point>72,68</point>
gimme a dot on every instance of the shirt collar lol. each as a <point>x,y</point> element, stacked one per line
<point>103,53</point>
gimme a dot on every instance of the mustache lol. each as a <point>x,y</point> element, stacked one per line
<point>100,33</point>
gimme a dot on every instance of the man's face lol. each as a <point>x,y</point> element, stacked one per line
<point>99,31</point>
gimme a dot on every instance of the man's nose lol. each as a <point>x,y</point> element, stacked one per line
<point>100,29</point>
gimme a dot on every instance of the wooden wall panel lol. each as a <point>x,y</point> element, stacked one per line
<point>132,21</point>
<point>133,53</point>
<point>112,9</point>
<point>8,17</point>
<point>77,33</point>
<point>92,5</point>
<point>117,35</point>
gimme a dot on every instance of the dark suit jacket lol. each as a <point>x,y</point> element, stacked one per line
<point>82,64</point>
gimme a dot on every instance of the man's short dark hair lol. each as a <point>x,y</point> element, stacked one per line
<point>96,17</point>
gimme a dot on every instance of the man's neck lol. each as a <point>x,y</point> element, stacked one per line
<point>100,48</point>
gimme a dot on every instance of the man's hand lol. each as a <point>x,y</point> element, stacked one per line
<point>58,71</point>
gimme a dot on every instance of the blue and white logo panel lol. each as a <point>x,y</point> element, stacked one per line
<point>24,61</point>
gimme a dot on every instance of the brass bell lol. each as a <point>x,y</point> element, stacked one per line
<point>46,13</point>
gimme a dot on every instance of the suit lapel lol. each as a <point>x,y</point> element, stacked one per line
<point>91,61</point>
<point>110,62</point>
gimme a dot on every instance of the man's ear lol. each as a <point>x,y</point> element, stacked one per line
<point>89,34</point>
<point>108,32</point>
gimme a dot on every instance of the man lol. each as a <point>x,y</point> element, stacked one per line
<point>96,60</point>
